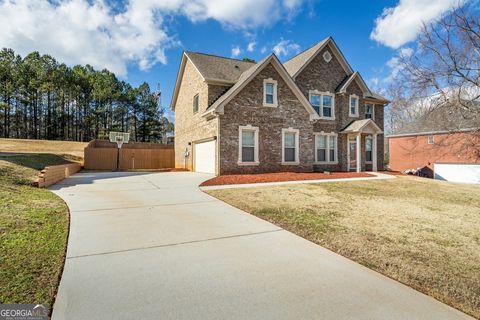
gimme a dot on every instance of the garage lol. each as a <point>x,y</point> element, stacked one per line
<point>457,172</point>
<point>204,157</point>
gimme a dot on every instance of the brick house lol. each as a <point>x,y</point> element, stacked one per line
<point>311,113</point>
<point>445,135</point>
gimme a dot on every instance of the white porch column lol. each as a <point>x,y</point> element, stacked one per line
<point>359,152</point>
<point>374,153</point>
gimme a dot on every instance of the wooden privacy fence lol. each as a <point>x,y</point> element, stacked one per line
<point>102,155</point>
<point>53,174</point>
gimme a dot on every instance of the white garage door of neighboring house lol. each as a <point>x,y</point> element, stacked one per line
<point>204,154</point>
<point>457,172</point>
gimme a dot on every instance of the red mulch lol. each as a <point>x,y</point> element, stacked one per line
<point>393,173</point>
<point>280,176</point>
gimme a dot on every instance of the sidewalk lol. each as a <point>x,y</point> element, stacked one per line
<point>377,176</point>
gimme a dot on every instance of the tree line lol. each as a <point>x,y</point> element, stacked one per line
<point>41,98</point>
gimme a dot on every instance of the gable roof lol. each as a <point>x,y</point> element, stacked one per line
<point>342,88</point>
<point>443,119</point>
<point>215,68</point>
<point>249,74</point>
<point>296,64</point>
<point>360,125</point>
<point>211,68</point>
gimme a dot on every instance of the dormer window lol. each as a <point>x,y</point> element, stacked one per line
<point>270,93</point>
<point>353,110</point>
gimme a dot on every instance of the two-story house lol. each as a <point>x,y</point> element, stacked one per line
<point>311,113</point>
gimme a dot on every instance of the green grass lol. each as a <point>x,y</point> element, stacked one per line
<point>33,231</point>
<point>421,232</point>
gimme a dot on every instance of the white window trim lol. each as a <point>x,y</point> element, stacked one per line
<point>275,95</point>
<point>297,147</point>
<point>256,162</point>
<point>327,56</point>
<point>350,114</point>
<point>328,135</point>
<point>368,137</point>
<point>432,140</point>
<point>373,110</point>
<point>321,94</point>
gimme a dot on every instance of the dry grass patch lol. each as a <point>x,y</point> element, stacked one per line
<point>42,146</point>
<point>421,232</point>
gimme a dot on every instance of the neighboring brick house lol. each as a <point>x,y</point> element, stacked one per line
<point>312,113</point>
<point>444,135</point>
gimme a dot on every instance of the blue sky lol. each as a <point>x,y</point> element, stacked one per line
<point>142,40</point>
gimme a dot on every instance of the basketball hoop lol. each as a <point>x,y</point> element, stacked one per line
<point>119,138</point>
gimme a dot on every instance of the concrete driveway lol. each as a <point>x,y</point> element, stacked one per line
<point>153,246</point>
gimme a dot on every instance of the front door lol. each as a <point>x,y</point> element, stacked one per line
<point>352,155</point>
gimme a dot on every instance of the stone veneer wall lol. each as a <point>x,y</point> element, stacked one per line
<point>189,126</point>
<point>247,109</point>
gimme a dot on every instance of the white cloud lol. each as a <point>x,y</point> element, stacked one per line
<point>263,50</point>
<point>251,46</point>
<point>94,32</point>
<point>401,24</point>
<point>236,51</point>
<point>395,65</point>
<point>285,48</point>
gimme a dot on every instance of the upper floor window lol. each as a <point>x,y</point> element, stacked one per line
<point>323,103</point>
<point>270,93</point>
<point>368,149</point>
<point>369,111</point>
<point>326,147</point>
<point>431,140</point>
<point>353,110</point>
<point>290,149</point>
<point>248,145</point>
<point>196,103</point>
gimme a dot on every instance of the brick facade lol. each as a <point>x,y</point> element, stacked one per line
<point>246,108</point>
<point>412,152</point>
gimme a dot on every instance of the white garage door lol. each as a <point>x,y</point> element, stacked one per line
<point>204,154</point>
<point>457,172</point>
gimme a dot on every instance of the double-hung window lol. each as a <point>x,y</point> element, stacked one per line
<point>270,93</point>
<point>353,110</point>
<point>290,146</point>
<point>196,103</point>
<point>368,149</point>
<point>326,148</point>
<point>248,145</point>
<point>323,103</point>
<point>369,111</point>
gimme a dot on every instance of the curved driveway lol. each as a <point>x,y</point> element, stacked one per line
<point>153,246</point>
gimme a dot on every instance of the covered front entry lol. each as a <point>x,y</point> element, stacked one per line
<point>204,157</point>
<point>362,133</point>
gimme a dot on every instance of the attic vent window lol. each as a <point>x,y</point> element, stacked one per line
<point>237,67</point>
<point>327,56</point>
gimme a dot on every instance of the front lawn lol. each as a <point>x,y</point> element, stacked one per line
<point>421,232</point>
<point>33,231</point>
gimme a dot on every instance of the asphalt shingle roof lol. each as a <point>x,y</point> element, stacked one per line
<point>297,62</point>
<point>213,67</point>
<point>443,118</point>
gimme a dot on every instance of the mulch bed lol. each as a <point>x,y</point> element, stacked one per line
<point>280,176</point>
<point>393,173</point>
